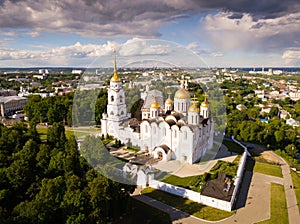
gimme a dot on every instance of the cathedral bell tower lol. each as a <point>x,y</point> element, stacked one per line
<point>116,107</point>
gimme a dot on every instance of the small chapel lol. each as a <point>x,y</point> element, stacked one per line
<point>175,129</point>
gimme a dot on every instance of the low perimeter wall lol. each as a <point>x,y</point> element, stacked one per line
<point>209,201</point>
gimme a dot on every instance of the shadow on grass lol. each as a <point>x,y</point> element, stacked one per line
<point>140,212</point>
<point>187,206</point>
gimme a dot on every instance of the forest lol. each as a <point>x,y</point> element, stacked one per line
<point>49,182</point>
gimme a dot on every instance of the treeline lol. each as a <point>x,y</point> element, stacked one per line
<point>51,183</point>
<point>89,104</point>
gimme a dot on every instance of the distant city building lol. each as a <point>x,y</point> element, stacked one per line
<point>40,76</point>
<point>292,122</point>
<point>7,92</point>
<point>10,104</point>
<point>241,107</point>
<point>294,95</point>
<point>77,71</point>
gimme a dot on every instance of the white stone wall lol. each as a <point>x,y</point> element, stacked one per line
<point>209,201</point>
<point>192,195</point>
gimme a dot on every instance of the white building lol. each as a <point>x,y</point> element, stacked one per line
<point>10,104</point>
<point>178,130</point>
<point>292,122</point>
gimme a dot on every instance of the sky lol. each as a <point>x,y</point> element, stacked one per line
<point>222,33</point>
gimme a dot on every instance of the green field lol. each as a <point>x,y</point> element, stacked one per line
<point>188,206</point>
<point>268,169</point>
<point>78,132</point>
<point>279,213</point>
<point>296,183</point>
<point>185,182</point>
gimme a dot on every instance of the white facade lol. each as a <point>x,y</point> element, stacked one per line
<point>10,104</point>
<point>185,134</point>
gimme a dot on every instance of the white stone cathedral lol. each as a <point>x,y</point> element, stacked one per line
<point>178,130</point>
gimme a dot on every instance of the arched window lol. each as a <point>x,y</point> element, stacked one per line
<point>175,134</point>
<point>185,135</point>
<point>122,112</point>
<point>112,98</point>
<point>121,99</point>
<point>164,132</point>
<point>146,129</point>
<point>111,113</point>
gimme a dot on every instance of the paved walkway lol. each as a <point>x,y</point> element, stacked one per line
<point>253,203</point>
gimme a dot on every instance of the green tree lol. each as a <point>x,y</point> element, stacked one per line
<point>56,136</point>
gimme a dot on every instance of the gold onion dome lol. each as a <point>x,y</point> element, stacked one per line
<point>169,101</point>
<point>205,103</point>
<point>155,104</point>
<point>182,94</point>
<point>194,108</point>
<point>115,77</point>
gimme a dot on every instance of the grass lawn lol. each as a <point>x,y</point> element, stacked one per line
<point>143,213</point>
<point>43,133</point>
<point>279,213</point>
<point>296,183</point>
<point>69,132</point>
<point>269,169</point>
<point>233,147</point>
<point>188,206</point>
<point>184,182</point>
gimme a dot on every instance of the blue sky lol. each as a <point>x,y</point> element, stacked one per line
<point>223,33</point>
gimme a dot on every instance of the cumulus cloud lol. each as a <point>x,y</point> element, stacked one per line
<point>196,48</point>
<point>125,18</point>
<point>292,57</point>
<point>86,53</point>
<point>137,46</point>
<point>291,54</point>
<point>247,33</point>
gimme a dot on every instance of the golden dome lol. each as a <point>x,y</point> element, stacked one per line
<point>155,105</point>
<point>182,94</point>
<point>194,108</point>
<point>169,101</point>
<point>205,103</point>
<point>115,78</point>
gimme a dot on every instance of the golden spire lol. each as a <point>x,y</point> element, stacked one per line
<point>115,77</point>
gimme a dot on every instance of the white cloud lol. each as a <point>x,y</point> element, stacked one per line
<point>137,46</point>
<point>217,54</point>
<point>291,54</point>
<point>86,53</point>
<point>292,57</point>
<point>247,33</point>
